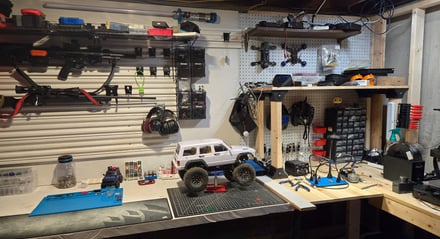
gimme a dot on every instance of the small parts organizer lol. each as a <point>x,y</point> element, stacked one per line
<point>133,171</point>
<point>16,181</point>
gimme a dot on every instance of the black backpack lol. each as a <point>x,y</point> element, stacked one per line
<point>284,118</point>
<point>241,118</point>
<point>302,113</point>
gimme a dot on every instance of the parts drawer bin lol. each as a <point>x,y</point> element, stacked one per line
<point>16,181</point>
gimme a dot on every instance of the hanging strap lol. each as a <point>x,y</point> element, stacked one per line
<point>17,109</point>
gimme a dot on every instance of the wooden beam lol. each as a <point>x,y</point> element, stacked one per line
<point>416,56</point>
<point>408,8</point>
<point>376,121</point>
<point>378,45</point>
<point>291,197</point>
<point>275,134</point>
<point>259,141</point>
<point>374,106</point>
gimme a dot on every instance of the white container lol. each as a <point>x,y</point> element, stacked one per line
<point>16,181</point>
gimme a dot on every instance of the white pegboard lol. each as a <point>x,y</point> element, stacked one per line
<point>356,48</point>
<point>320,100</point>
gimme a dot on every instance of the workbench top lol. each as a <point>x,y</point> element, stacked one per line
<point>374,188</point>
<point>378,191</point>
<point>145,208</point>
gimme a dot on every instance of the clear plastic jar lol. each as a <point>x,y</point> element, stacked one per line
<point>64,176</point>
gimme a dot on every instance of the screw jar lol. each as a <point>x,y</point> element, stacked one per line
<point>65,172</point>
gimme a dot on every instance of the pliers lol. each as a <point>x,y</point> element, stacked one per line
<point>297,184</point>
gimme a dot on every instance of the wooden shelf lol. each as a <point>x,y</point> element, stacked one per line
<point>390,91</point>
<point>339,35</point>
<point>302,88</point>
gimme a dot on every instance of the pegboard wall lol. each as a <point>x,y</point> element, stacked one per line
<point>320,100</point>
<point>353,49</point>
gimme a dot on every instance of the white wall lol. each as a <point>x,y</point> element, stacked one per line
<point>397,56</point>
<point>221,84</point>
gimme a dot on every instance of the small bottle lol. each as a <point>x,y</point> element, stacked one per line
<point>64,176</point>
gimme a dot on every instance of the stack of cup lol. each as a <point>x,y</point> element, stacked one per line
<point>415,116</point>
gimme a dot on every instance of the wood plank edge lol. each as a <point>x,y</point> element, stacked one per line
<point>294,199</point>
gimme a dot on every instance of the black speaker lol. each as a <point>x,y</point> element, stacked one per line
<point>394,167</point>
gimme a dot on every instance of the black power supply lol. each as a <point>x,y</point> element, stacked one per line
<point>296,168</point>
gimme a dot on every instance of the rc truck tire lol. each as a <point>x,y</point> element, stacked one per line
<point>228,175</point>
<point>181,173</point>
<point>196,179</point>
<point>244,174</point>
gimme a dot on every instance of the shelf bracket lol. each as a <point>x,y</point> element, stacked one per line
<point>389,93</point>
<point>277,95</point>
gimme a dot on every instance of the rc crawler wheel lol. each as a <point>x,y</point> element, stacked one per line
<point>181,173</point>
<point>196,179</point>
<point>244,174</point>
<point>228,175</point>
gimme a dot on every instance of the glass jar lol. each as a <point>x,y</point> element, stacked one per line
<point>64,176</point>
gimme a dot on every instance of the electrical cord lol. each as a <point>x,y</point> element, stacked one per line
<point>430,205</point>
<point>107,82</point>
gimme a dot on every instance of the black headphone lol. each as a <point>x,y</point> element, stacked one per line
<point>160,120</point>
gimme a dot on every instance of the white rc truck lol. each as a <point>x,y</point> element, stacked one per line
<point>194,159</point>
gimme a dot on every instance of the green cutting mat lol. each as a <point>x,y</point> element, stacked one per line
<point>235,198</point>
<point>23,226</point>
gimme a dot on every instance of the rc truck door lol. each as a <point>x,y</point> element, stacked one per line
<point>221,155</point>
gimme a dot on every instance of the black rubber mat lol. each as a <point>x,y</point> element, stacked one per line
<point>235,198</point>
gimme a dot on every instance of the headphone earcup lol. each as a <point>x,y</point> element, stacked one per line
<point>169,124</point>
<point>152,122</point>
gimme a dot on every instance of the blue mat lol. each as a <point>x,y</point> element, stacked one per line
<point>70,202</point>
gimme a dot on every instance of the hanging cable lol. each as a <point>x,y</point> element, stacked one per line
<point>107,82</point>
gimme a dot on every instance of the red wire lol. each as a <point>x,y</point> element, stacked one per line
<point>88,96</point>
<point>17,107</point>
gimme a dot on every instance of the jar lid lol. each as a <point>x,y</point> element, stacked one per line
<point>65,158</point>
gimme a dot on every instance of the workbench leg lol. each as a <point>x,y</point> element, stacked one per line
<point>259,142</point>
<point>276,138</point>
<point>353,218</point>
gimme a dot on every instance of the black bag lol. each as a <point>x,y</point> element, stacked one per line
<point>302,113</point>
<point>241,118</point>
<point>284,118</point>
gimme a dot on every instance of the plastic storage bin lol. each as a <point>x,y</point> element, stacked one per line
<point>16,181</point>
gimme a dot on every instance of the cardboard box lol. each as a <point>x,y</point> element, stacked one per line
<point>390,80</point>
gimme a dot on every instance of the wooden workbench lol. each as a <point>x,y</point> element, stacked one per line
<point>403,206</point>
